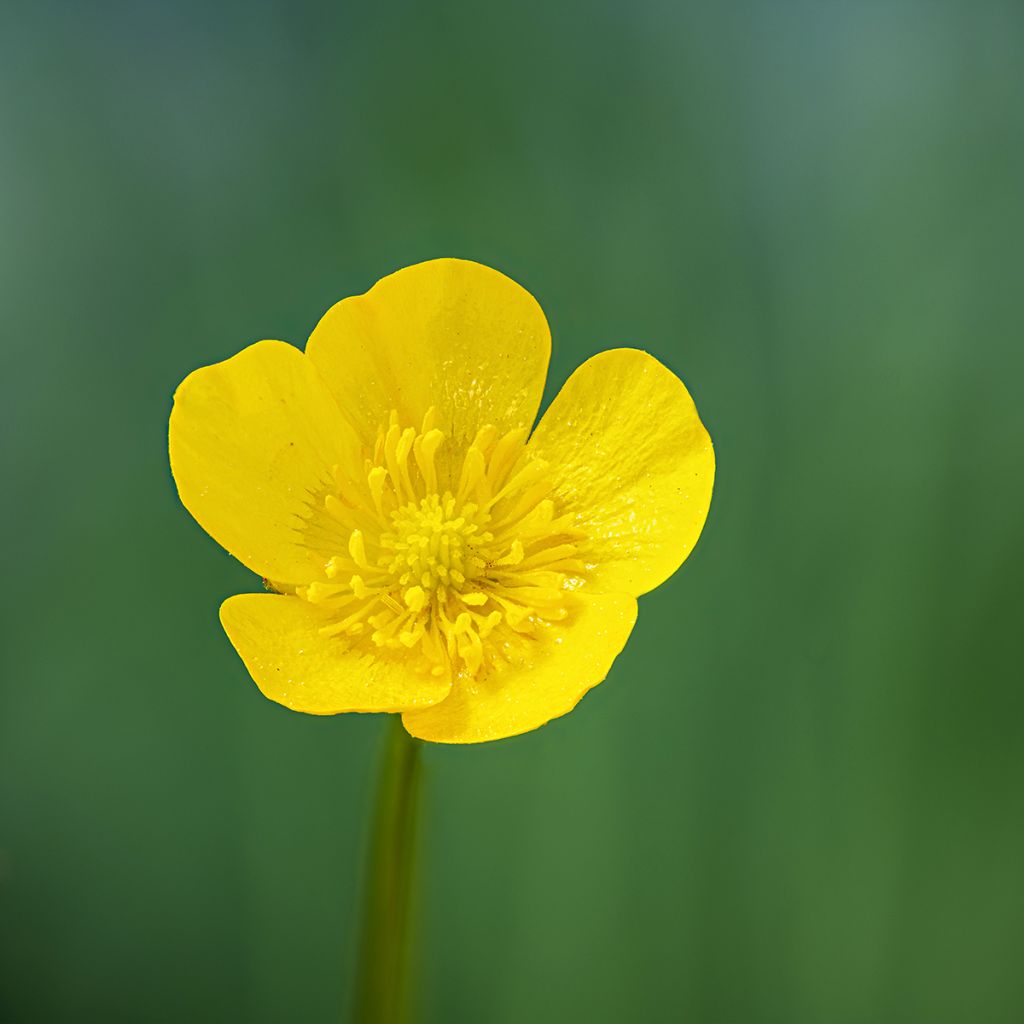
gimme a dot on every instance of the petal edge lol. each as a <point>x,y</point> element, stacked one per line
<point>571,660</point>
<point>277,637</point>
<point>632,460</point>
<point>448,333</point>
<point>250,440</point>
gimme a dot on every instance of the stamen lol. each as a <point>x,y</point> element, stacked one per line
<point>357,549</point>
<point>419,563</point>
<point>376,479</point>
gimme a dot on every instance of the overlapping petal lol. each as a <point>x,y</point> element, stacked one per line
<point>632,461</point>
<point>278,637</point>
<point>557,669</point>
<point>448,333</point>
<point>252,441</point>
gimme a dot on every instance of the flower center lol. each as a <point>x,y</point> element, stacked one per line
<point>458,561</point>
<point>432,542</point>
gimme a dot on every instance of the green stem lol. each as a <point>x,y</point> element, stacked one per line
<point>381,982</point>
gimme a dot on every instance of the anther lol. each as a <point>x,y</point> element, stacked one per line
<point>357,549</point>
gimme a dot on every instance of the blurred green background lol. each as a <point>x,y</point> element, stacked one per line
<point>799,797</point>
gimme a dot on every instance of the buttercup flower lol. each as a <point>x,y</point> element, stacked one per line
<point>430,555</point>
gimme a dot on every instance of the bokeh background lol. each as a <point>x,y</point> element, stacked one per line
<point>798,797</point>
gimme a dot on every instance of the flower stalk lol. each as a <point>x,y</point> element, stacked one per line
<point>381,984</point>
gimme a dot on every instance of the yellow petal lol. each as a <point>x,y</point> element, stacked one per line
<point>252,442</point>
<point>560,667</point>
<point>278,638</point>
<point>448,333</point>
<point>632,461</point>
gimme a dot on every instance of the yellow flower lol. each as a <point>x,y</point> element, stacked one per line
<point>432,556</point>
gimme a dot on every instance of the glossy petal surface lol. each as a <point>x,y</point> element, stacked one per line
<point>450,334</point>
<point>633,462</point>
<point>252,441</point>
<point>278,638</point>
<point>556,671</point>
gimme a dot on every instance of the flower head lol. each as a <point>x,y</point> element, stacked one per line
<point>430,555</point>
